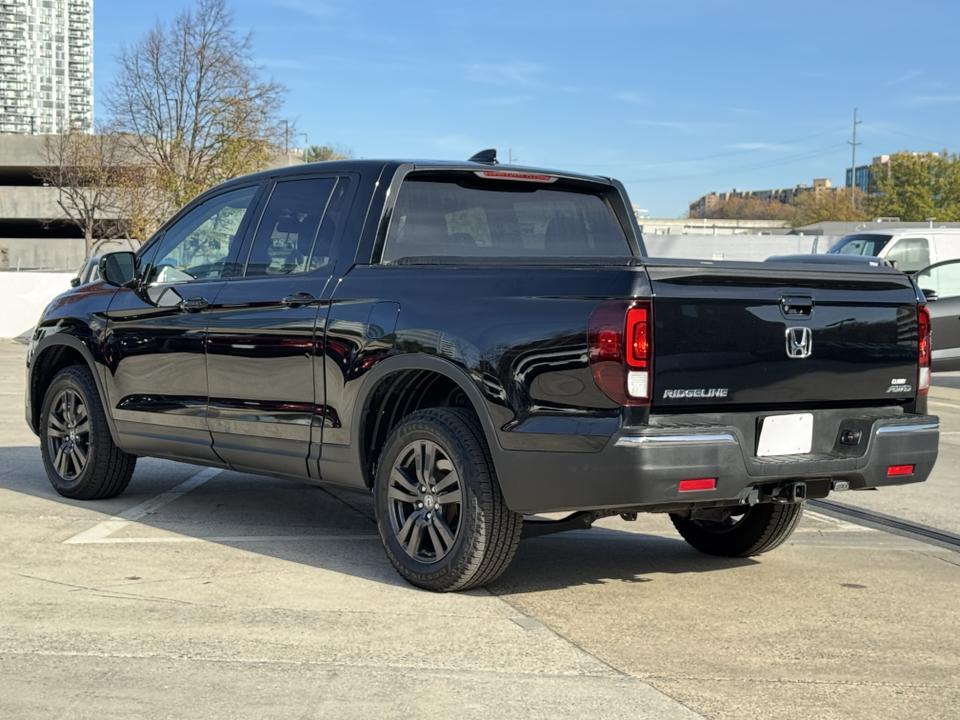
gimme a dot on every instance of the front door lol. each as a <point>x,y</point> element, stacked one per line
<point>155,335</point>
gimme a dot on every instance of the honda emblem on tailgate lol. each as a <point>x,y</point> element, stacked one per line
<point>799,342</point>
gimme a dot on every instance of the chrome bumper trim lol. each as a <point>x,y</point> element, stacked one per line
<point>693,439</point>
<point>929,427</point>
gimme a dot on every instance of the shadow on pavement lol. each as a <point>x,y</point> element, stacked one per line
<point>234,505</point>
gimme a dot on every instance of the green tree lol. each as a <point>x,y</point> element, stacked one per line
<point>322,153</point>
<point>751,208</point>
<point>813,207</point>
<point>914,187</point>
<point>188,100</point>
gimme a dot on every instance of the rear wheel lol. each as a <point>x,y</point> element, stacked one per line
<point>441,516</point>
<point>759,529</point>
<point>79,456</point>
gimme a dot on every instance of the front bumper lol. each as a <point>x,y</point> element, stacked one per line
<point>641,468</point>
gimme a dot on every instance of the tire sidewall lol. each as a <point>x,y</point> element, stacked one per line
<point>455,561</point>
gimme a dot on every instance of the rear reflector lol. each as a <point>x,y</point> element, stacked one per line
<point>698,484</point>
<point>895,470</point>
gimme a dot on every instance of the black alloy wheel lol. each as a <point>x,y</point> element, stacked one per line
<point>68,434</point>
<point>79,455</point>
<point>425,501</point>
<point>441,515</point>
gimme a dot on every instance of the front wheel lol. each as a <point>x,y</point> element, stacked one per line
<point>440,512</point>
<point>79,456</point>
<point>757,530</point>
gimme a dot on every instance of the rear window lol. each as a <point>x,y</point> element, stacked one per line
<point>480,218</point>
<point>864,244</point>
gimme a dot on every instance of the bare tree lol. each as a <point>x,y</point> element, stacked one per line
<point>84,169</point>
<point>188,100</point>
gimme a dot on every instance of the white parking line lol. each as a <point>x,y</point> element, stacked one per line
<point>227,539</point>
<point>101,532</point>
<point>839,524</point>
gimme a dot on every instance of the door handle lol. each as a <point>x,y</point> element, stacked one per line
<point>194,304</point>
<point>298,299</point>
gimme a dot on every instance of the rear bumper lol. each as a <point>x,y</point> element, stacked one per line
<point>642,467</point>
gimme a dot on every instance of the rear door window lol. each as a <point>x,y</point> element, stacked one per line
<point>942,279</point>
<point>292,223</point>
<point>462,217</point>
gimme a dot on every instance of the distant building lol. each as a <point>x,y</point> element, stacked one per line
<point>46,65</point>
<point>864,174</point>
<point>704,206</point>
<point>34,230</point>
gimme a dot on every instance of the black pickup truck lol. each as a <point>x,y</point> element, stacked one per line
<point>476,344</point>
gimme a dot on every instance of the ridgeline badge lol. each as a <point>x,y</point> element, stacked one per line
<point>696,393</point>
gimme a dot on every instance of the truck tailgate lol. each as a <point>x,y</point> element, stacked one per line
<point>752,334</point>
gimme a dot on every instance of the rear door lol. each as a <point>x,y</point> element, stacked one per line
<point>751,335</point>
<point>262,359</point>
<point>943,279</point>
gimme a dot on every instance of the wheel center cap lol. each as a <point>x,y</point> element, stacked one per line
<point>429,501</point>
<point>73,434</point>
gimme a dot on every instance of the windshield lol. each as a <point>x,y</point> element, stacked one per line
<point>865,244</point>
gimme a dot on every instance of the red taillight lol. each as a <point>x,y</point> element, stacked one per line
<point>639,334</point>
<point>924,349</point>
<point>895,470</point>
<point>620,342</point>
<point>698,484</point>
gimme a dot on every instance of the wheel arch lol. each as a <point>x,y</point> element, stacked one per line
<point>51,355</point>
<point>401,385</point>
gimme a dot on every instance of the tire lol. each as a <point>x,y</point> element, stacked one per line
<point>457,533</point>
<point>78,452</point>
<point>760,529</point>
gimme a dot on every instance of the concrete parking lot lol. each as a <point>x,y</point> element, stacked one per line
<point>206,594</point>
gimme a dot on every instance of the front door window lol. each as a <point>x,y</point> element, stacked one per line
<point>201,245</point>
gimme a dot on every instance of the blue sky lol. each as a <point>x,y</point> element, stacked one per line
<point>676,98</point>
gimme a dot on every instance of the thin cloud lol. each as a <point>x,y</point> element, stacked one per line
<point>503,101</point>
<point>284,64</point>
<point>761,146</point>
<point>683,125</point>
<point>928,100</point>
<point>511,73</point>
<point>906,77</point>
<point>632,97</point>
<point>314,8</point>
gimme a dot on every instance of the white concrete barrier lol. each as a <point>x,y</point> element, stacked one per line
<point>24,295</point>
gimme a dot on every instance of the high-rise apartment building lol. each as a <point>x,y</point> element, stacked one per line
<point>46,65</point>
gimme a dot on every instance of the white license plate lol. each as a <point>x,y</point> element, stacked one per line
<point>786,435</point>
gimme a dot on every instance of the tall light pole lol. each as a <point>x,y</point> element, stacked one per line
<point>853,161</point>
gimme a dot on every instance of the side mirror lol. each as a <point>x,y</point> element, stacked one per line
<point>894,264</point>
<point>930,295</point>
<point>75,281</point>
<point>118,268</point>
